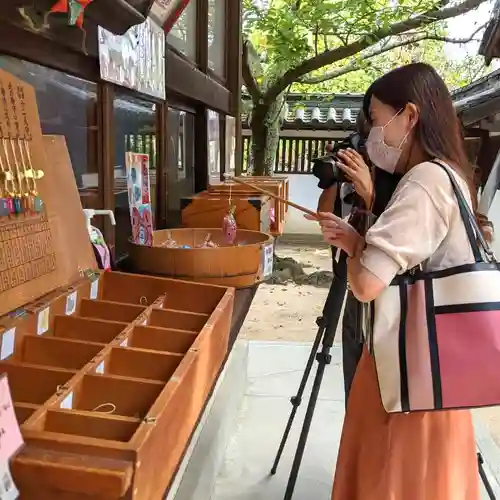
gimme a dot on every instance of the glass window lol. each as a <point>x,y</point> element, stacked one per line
<point>67,106</point>
<point>180,129</point>
<point>135,131</point>
<point>216,36</point>
<point>214,150</point>
<point>182,36</point>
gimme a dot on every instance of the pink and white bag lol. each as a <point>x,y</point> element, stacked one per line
<point>436,335</point>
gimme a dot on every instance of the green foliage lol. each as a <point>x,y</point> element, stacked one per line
<point>340,46</point>
<point>287,32</point>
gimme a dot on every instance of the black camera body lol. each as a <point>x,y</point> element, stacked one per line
<point>325,167</point>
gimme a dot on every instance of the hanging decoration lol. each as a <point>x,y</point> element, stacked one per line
<point>229,226</point>
<point>75,9</point>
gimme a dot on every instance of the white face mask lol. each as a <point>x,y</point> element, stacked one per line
<point>381,154</point>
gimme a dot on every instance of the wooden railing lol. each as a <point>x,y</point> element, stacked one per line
<point>293,156</point>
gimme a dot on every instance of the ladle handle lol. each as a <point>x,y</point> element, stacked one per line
<point>300,208</point>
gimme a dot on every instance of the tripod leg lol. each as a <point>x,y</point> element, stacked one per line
<point>484,478</point>
<point>297,399</point>
<point>324,358</point>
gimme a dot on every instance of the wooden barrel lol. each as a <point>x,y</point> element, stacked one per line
<point>246,263</point>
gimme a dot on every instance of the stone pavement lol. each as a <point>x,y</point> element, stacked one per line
<point>274,373</point>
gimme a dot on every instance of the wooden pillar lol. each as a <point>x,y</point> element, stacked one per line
<point>201,150</point>
<point>222,141</point>
<point>201,124</point>
<point>234,47</point>
<point>106,165</point>
<point>161,166</point>
<point>202,34</point>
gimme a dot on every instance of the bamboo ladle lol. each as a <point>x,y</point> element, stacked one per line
<point>272,195</point>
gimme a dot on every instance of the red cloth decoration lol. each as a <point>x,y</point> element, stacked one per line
<point>63,6</point>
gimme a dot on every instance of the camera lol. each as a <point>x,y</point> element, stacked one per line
<point>325,167</point>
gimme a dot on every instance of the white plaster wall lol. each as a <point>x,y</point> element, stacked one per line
<point>303,190</point>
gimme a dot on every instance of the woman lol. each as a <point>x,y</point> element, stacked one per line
<point>416,456</point>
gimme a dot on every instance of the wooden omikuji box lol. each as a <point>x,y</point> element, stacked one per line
<point>277,187</point>
<point>109,372</point>
<point>207,211</point>
<point>246,263</point>
<point>109,395</point>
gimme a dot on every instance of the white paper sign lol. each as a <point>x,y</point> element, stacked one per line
<point>43,321</point>
<point>267,260</point>
<point>67,402</point>
<point>71,303</point>
<point>8,490</point>
<point>94,290</point>
<point>124,343</point>
<point>8,342</point>
<point>100,368</point>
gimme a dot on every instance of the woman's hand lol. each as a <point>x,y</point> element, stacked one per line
<point>358,173</point>
<point>337,232</point>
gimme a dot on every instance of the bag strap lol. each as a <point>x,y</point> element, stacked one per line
<point>472,228</point>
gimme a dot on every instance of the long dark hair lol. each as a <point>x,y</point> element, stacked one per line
<point>438,130</point>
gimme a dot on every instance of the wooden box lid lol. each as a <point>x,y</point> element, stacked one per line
<point>45,251</point>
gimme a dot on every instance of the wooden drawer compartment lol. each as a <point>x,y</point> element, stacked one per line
<point>92,425</point>
<point>129,398</point>
<point>34,384</point>
<point>114,311</point>
<point>59,353</point>
<point>86,329</point>
<point>179,320</point>
<point>139,363</point>
<point>162,339</point>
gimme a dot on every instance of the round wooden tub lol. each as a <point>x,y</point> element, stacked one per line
<point>246,263</point>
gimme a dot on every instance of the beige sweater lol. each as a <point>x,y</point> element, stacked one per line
<point>421,224</point>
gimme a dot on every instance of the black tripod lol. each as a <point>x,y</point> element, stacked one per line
<point>327,326</point>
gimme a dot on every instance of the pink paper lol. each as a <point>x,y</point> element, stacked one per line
<point>10,433</point>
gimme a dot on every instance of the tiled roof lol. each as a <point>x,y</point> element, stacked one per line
<point>478,100</point>
<point>318,111</point>
<point>339,112</point>
<point>490,44</point>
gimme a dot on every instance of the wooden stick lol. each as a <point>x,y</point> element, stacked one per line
<point>300,208</point>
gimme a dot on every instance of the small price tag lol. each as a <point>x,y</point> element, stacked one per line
<point>8,490</point>
<point>67,402</point>
<point>124,343</point>
<point>43,321</point>
<point>100,368</point>
<point>71,303</point>
<point>94,289</point>
<point>8,342</point>
<point>267,260</point>
<point>10,434</point>
<point>144,322</point>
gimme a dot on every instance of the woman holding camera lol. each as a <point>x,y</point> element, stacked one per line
<point>422,455</point>
<point>373,189</point>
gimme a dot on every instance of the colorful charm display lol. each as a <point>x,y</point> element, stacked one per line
<point>139,198</point>
<point>18,189</point>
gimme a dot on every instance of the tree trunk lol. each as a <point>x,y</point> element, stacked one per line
<point>265,125</point>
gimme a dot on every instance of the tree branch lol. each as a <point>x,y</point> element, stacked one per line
<point>332,56</point>
<point>354,65</point>
<point>250,82</point>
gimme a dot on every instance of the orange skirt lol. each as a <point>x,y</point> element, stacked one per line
<point>419,456</point>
